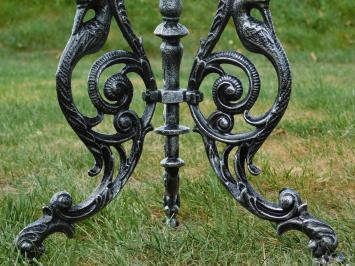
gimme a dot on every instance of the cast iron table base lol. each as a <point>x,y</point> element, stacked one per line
<point>257,36</point>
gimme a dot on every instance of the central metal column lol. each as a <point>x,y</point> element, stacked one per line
<point>171,31</point>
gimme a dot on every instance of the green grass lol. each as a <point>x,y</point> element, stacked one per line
<point>312,150</point>
<point>302,25</point>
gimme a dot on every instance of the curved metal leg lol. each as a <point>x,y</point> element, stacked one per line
<point>60,215</point>
<point>87,38</point>
<point>289,214</point>
<point>258,36</point>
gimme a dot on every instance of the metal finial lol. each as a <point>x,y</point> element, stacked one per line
<point>170,8</point>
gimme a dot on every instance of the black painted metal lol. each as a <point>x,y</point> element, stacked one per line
<point>171,31</point>
<point>257,36</point>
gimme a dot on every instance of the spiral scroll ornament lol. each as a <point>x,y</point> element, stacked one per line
<point>118,89</point>
<point>226,91</point>
<point>221,122</point>
<point>125,121</point>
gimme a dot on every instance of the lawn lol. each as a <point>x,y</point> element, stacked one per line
<point>312,151</point>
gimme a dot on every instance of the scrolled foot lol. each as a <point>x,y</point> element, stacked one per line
<point>323,239</point>
<point>30,240</point>
<point>292,214</point>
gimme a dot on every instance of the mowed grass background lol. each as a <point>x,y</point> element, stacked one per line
<point>312,150</point>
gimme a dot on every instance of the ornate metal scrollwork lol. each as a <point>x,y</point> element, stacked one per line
<point>258,37</point>
<point>87,38</point>
<point>229,94</point>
